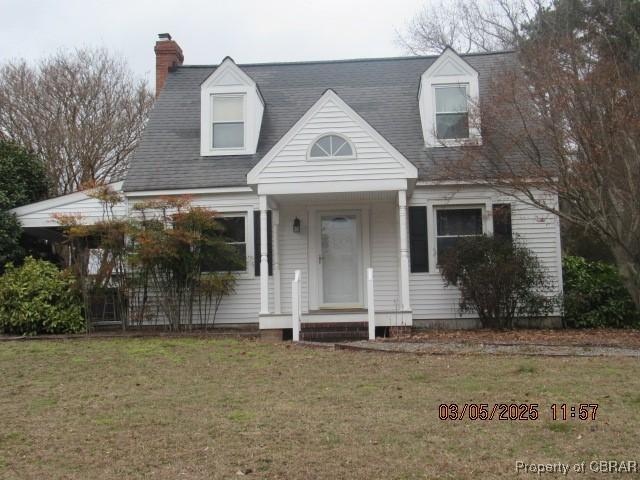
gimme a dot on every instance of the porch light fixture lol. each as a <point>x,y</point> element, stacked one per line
<point>296,225</point>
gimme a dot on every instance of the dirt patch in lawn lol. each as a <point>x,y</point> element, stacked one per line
<point>220,409</point>
<point>588,337</point>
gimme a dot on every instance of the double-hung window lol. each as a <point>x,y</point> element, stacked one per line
<point>456,223</point>
<point>228,114</point>
<point>234,235</point>
<point>452,111</point>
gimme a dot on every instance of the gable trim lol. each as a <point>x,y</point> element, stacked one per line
<point>253,177</point>
<point>449,55</point>
<point>228,65</point>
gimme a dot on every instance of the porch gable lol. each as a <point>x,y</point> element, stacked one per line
<point>374,162</point>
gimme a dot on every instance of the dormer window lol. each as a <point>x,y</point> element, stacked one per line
<point>231,109</point>
<point>331,146</point>
<point>452,111</point>
<point>449,89</point>
<point>228,121</point>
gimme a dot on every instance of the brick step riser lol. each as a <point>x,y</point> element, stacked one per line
<point>348,332</point>
<point>332,336</point>
<point>334,326</point>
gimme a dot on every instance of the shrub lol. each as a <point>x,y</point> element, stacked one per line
<point>498,279</point>
<point>595,296</point>
<point>22,180</point>
<point>10,232</point>
<point>38,298</point>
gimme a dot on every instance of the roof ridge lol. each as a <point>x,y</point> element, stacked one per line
<point>348,60</point>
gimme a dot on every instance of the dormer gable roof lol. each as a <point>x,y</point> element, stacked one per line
<point>228,73</point>
<point>449,64</point>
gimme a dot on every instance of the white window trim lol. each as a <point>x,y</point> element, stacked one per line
<point>339,157</point>
<point>241,214</point>
<point>450,141</point>
<point>432,78</point>
<point>207,122</point>
<point>229,150</point>
<point>433,235</point>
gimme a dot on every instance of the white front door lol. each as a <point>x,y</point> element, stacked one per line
<point>340,272</point>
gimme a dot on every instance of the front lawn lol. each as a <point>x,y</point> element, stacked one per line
<point>194,408</point>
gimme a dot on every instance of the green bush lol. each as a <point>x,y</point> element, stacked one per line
<point>10,232</point>
<point>38,298</point>
<point>499,280</point>
<point>594,296</point>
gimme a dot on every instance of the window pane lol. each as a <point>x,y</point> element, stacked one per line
<point>464,221</point>
<point>228,109</point>
<point>235,262</point>
<point>325,144</point>
<point>341,148</point>
<point>445,244</point>
<point>233,228</point>
<point>316,151</point>
<point>451,99</point>
<point>228,135</point>
<point>331,146</point>
<point>452,125</point>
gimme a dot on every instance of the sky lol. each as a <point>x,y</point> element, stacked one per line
<point>207,30</point>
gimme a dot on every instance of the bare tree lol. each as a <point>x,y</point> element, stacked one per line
<point>565,121</point>
<point>81,112</point>
<point>468,25</point>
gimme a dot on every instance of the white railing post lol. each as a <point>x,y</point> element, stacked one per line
<point>371,311</point>
<point>295,306</point>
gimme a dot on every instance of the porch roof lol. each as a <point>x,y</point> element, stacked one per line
<point>41,214</point>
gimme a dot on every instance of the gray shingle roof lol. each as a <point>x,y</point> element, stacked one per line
<point>383,91</point>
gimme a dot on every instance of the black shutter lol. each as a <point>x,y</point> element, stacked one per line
<point>256,241</point>
<point>502,220</point>
<point>418,240</point>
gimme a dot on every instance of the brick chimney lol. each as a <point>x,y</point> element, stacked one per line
<point>168,56</point>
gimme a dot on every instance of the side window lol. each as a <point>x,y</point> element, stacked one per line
<point>455,223</point>
<point>234,235</point>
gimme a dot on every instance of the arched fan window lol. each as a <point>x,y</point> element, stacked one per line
<point>331,146</point>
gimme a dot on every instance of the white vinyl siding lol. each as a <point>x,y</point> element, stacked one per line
<point>383,238</point>
<point>539,230</point>
<point>242,306</point>
<point>370,160</point>
<point>430,299</point>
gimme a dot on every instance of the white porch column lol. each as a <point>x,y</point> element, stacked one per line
<point>404,250</point>
<point>276,262</point>
<point>264,259</point>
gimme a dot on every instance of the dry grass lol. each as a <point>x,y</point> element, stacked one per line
<point>193,408</point>
<point>603,337</point>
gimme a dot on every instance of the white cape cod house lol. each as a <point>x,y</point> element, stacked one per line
<point>326,169</point>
